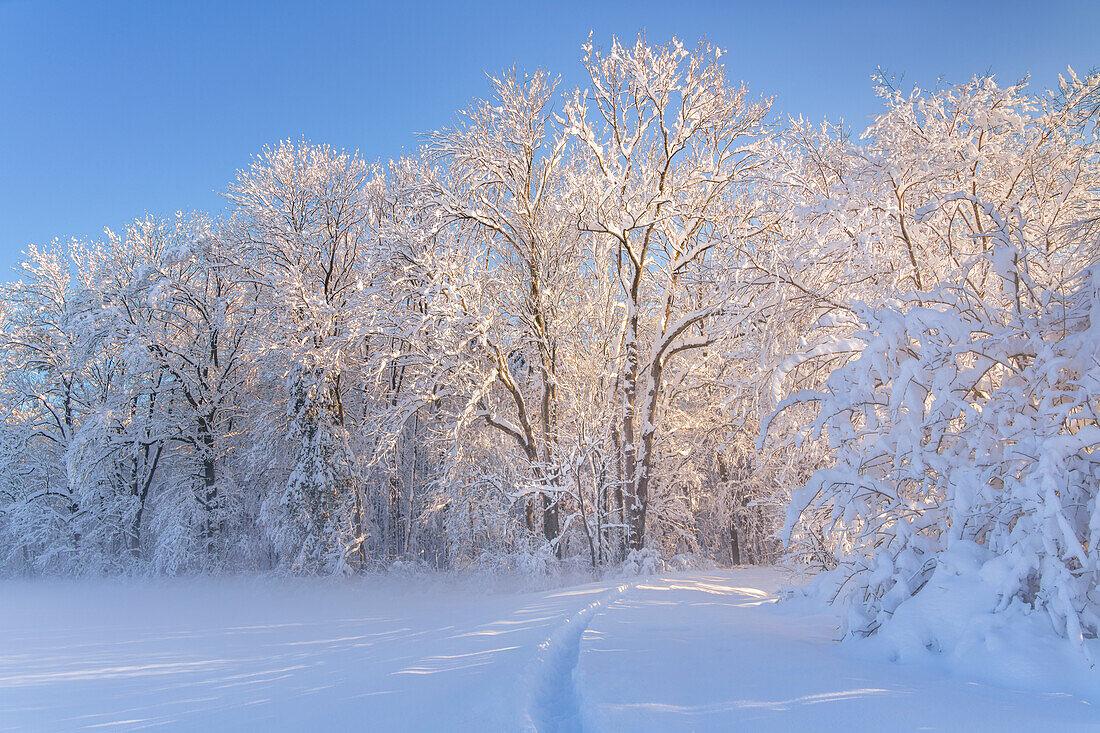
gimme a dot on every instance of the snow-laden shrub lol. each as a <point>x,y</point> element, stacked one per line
<point>535,560</point>
<point>689,561</point>
<point>645,561</point>
<point>409,568</point>
<point>532,569</point>
<point>966,432</point>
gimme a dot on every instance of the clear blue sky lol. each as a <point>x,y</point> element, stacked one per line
<point>110,109</point>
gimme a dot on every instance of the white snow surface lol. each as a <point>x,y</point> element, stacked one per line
<point>701,650</point>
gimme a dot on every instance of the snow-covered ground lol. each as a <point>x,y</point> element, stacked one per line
<point>689,651</point>
<point>710,651</point>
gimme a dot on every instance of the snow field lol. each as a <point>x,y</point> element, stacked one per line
<point>704,650</point>
<point>276,656</point>
<point>712,651</point>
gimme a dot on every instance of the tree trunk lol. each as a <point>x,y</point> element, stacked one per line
<point>550,528</point>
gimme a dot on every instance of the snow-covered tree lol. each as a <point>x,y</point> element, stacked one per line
<point>961,409</point>
<point>304,219</point>
<point>49,364</point>
<point>669,153</point>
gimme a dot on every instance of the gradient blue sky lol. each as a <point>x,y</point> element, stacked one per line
<point>110,109</point>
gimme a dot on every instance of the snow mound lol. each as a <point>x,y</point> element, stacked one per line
<point>959,623</point>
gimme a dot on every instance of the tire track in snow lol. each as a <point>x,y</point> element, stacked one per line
<point>551,703</point>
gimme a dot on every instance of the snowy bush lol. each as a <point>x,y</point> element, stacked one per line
<point>965,432</point>
<point>951,359</point>
<point>408,568</point>
<point>688,561</point>
<point>645,561</point>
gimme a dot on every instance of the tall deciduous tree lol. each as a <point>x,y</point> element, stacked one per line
<point>670,152</point>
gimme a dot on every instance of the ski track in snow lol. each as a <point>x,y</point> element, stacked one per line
<point>552,704</point>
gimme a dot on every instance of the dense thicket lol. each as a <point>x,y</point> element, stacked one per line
<point>580,326</point>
